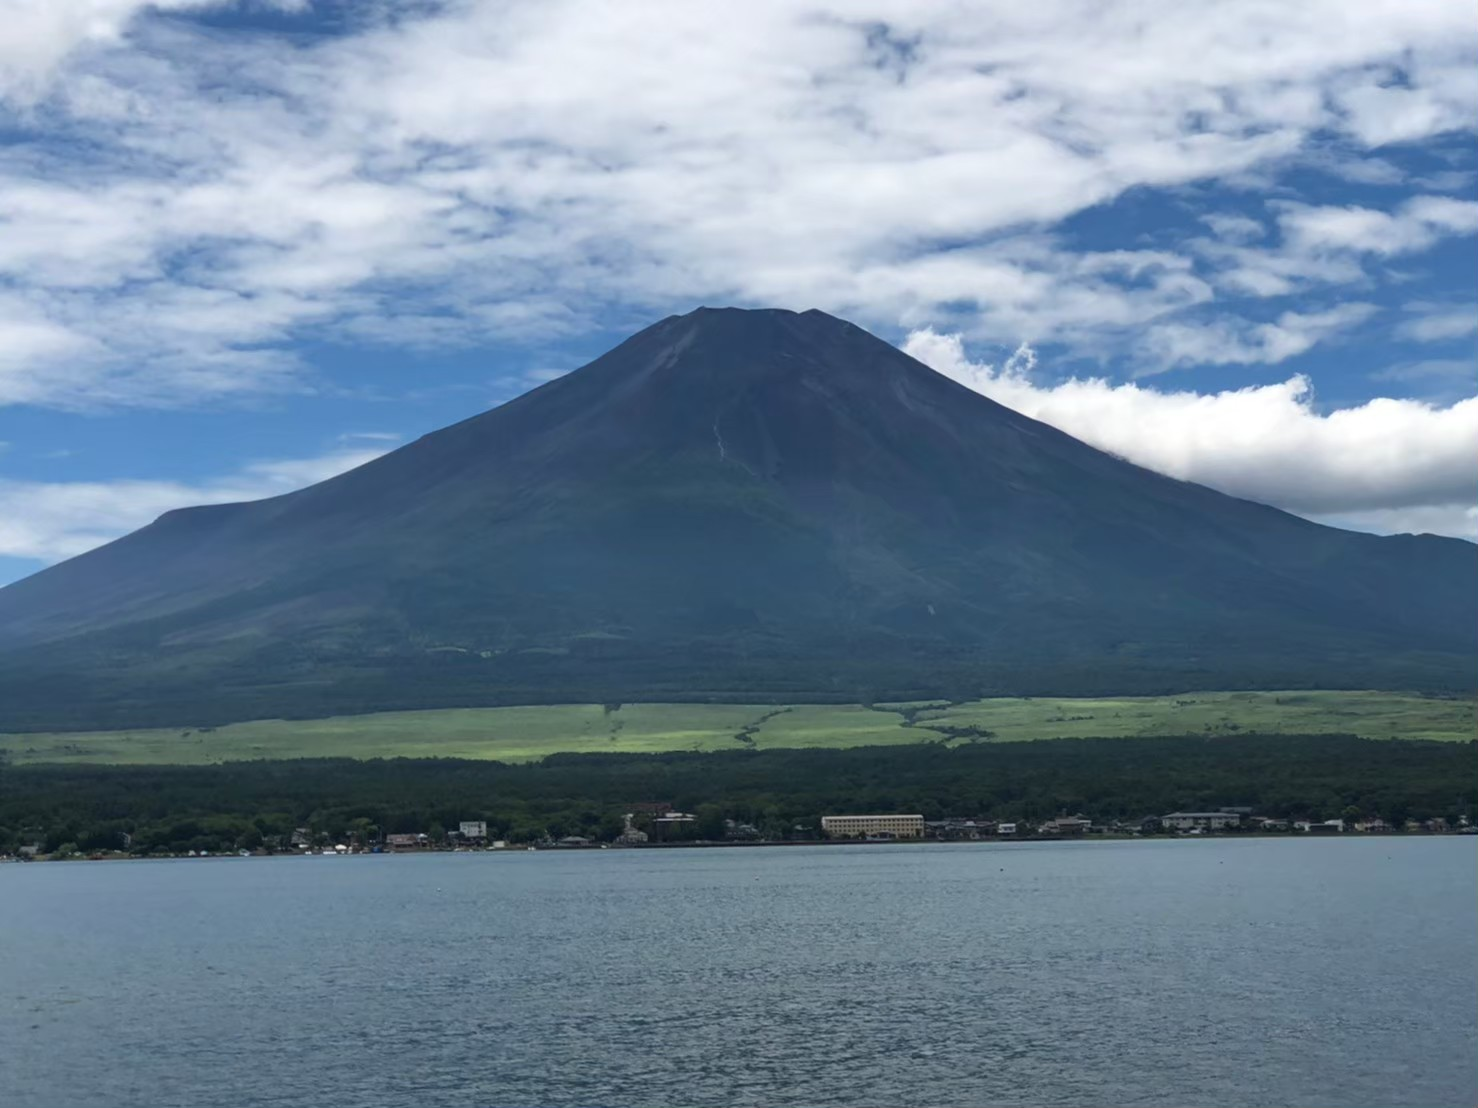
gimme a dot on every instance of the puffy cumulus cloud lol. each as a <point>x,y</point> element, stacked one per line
<point>185,202</point>
<point>49,520</point>
<point>1385,463</point>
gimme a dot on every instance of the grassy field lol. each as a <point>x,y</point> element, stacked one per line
<point>525,734</point>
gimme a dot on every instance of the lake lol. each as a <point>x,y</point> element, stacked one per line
<point>1216,972</point>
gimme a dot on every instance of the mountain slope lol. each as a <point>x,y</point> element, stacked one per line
<point>730,503</point>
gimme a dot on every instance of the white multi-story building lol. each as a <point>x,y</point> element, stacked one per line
<point>473,829</point>
<point>1203,821</point>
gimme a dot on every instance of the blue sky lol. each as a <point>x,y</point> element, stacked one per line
<point>246,245</point>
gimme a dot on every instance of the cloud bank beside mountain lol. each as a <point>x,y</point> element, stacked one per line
<point>1390,465</point>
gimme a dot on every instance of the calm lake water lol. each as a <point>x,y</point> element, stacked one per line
<point>1220,972</point>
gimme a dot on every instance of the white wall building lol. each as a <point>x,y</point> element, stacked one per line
<point>1202,821</point>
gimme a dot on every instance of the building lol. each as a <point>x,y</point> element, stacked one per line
<point>957,828</point>
<point>407,842</point>
<point>1066,825</point>
<point>861,827</point>
<point>1313,827</point>
<point>1200,821</point>
<point>1005,829</point>
<point>473,829</point>
<point>631,835</point>
<point>674,824</point>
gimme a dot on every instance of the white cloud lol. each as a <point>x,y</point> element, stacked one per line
<point>39,34</point>
<point>1397,461</point>
<point>1238,342</point>
<point>477,169</point>
<point>50,520</point>
<point>1235,227</point>
<point>1379,111</point>
<point>1454,370</point>
<point>1439,322</point>
<point>1419,223</point>
<point>1326,244</point>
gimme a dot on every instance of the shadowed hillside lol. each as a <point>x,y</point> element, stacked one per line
<point>735,505</point>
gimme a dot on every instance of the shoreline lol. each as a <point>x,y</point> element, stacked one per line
<point>627,847</point>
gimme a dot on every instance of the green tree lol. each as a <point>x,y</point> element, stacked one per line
<point>710,822</point>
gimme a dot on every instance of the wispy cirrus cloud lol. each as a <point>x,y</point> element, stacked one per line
<point>1436,322</point>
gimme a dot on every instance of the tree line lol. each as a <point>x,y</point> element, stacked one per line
<point>783,793</point>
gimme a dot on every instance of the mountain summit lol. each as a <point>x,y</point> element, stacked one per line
<point>736,505</point>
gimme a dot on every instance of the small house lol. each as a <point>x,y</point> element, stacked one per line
<point>416,841</point>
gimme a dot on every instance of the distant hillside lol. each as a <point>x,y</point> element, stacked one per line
<point>738,506</point>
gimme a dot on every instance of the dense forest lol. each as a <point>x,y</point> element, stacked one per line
<point>600,671</point>
<point>781,792</point>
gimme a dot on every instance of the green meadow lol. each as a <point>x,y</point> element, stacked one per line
<point>527,734</point>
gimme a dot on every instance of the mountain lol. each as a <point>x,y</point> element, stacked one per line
<point>739,505</point>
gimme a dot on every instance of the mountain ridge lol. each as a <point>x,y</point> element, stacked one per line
<point>757,502</point>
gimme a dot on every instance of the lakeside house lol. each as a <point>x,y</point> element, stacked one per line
<point>1200,821</point>
<point>673,825</point>
<point>473,830</point>
<point>1066,825</point>
<point>866,827</point>
<point>1315,827</point>
<point>415,841</point>
<point>631,835</point>
<point>959,829</point>
<point>735,830</point>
